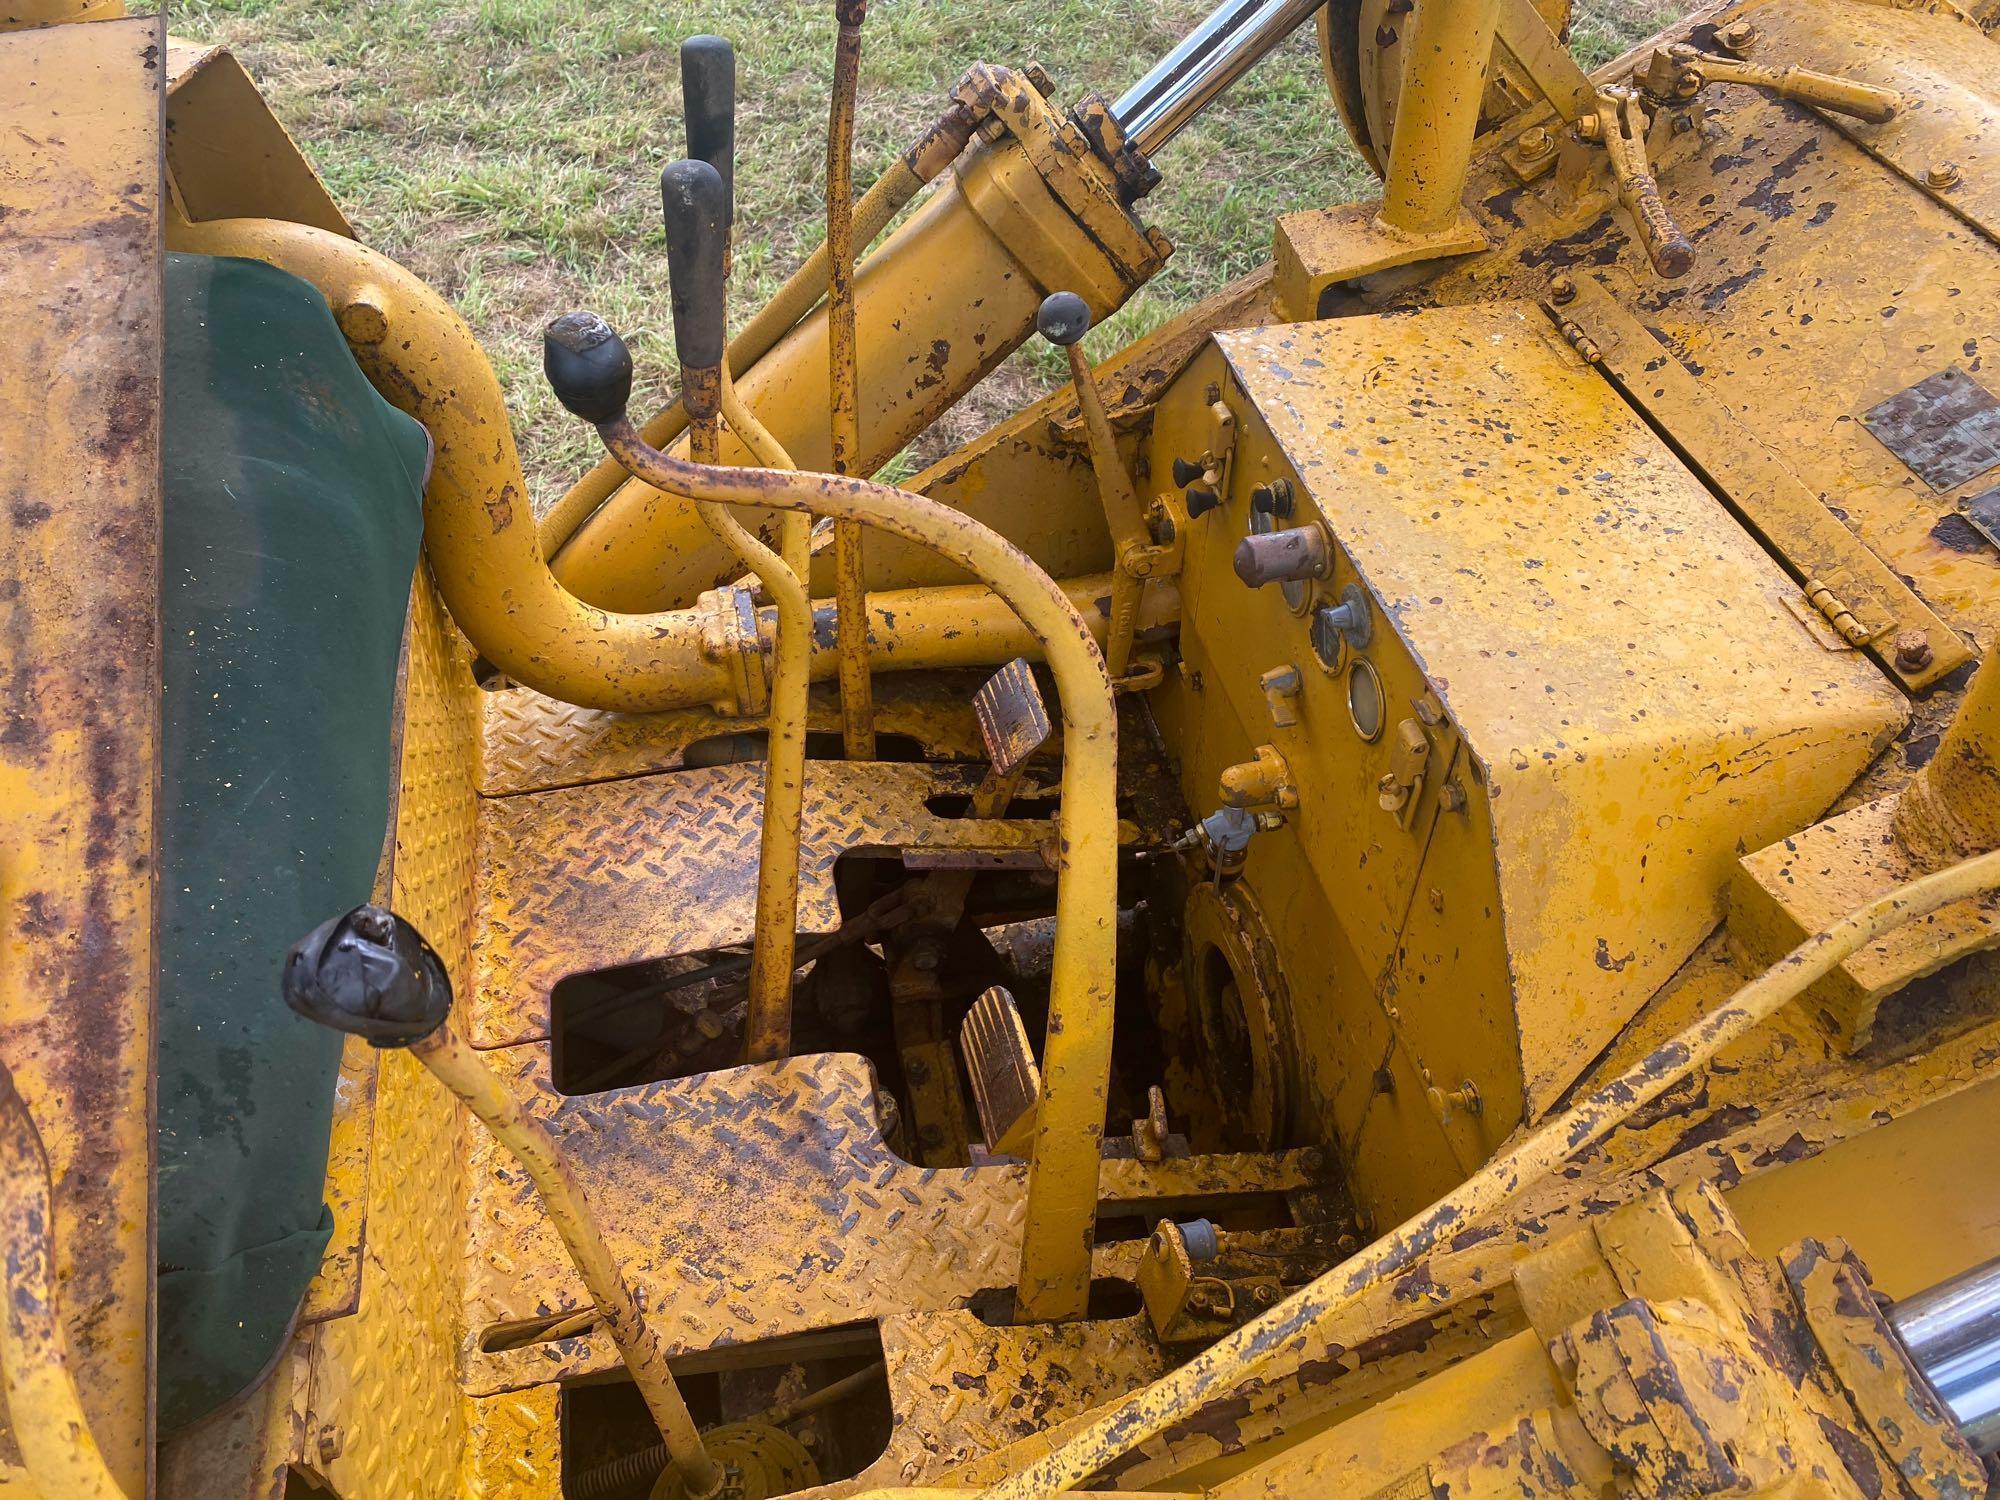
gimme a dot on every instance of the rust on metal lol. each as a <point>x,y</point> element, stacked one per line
<point>81,296</point>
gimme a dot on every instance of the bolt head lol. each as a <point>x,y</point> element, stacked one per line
<point>363,323</point>
<point>1562,291</point>
<point>1535,143</point>
<point>1943,176</point>
<point>1913,650</point>
<point>1738,36</point>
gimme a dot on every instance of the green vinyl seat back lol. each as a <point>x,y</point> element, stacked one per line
<point>291,520</point>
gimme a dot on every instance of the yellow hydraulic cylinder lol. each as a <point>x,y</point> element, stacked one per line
<point>1437,113</point>
<point>996,226</point>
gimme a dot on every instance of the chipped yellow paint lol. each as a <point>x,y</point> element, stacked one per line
<point>80,296</point>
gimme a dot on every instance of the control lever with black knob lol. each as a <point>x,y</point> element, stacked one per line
<point>708,106</point>
<point>696,207</point>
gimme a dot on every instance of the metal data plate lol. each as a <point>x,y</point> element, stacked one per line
<point>1946,427</point>
<point>1983,511</point>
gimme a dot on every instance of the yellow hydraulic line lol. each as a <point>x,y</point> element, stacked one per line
<point>889,195</point>
<point>43,1407</point>
<point>1069,1124</point>
<point>1226,1363</point>
<point>479,531</point>
<point>850,588</point>
<point>460,1070</point>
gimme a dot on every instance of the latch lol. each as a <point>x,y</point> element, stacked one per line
<point>1185,1300</point>
<point>1403,782</point>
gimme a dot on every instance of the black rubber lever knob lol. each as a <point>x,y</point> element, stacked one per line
<point>1063,319</point>
<point>369,973</point>
<point>694,201</point>
<point>588,366</point>
<point>708,103</point>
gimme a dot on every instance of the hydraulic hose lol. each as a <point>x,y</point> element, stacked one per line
<point>1224,1364</point>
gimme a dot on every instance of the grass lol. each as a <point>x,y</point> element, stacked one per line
<point>508,150</point>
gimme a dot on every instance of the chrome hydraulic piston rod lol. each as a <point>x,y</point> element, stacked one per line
<point>1952,1334</point>
<point>1229,43</point>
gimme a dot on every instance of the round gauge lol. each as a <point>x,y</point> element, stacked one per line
<point>1364,698</point>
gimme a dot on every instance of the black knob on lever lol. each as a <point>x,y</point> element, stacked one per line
<point>369,973</point>
<point>708,103</point>
<point>1063,318</point>
<point>696,207</point>
<point>588,366</point>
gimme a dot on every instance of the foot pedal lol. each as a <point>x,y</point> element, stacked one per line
<point>1006,1084</point>
<point>1013,719</point>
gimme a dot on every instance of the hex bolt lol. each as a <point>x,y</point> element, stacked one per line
<point>1913,650</point>
<point>1738,36</point>
<point>1942,177</point>
<point>1535,143</point>
<point>1562,291</point>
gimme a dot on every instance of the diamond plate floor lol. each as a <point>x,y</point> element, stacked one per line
<point>762,1202</point>
<point>651,867</point>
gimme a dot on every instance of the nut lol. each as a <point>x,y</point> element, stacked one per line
<point>1943,176</point>
<point>1534,143</point>
<point>1913,650</point>
<point>1738,36</point>
<point>1562,291</point>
